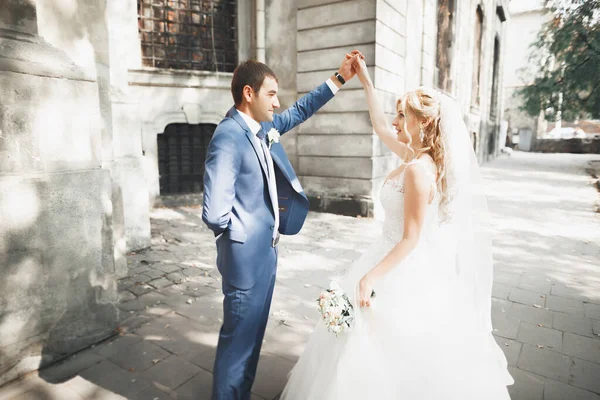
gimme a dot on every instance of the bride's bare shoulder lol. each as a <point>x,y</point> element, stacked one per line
<point>428,163</point>
<point>426,159</point>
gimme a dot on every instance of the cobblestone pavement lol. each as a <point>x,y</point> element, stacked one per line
<point>546,304</point>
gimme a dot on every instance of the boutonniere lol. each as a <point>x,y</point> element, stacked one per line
<point>273,136</point>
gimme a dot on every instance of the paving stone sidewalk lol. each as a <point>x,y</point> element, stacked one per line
<point>546,304</point>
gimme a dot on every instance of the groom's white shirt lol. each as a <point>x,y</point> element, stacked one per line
<point>334,89</point>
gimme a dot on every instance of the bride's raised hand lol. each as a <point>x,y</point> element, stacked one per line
<point>362,72</point>
<point>359,66</point>
<point>354,53</point>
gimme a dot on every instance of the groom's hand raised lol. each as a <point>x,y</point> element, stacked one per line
<point>346,71</point>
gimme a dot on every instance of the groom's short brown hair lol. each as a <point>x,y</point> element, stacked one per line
<point>251,73</point>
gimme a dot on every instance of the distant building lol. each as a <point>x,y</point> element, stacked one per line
<point>527,18</point>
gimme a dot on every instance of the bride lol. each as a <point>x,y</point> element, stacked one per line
<point>426,335</point>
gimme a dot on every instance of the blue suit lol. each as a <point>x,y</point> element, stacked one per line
<point>237,205</point>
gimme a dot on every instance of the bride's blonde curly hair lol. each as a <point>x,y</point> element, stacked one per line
<point>424,103</point>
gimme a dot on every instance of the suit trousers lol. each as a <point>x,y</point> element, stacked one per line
<point>245,316</point>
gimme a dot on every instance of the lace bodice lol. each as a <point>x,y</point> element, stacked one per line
<point>392,201</point>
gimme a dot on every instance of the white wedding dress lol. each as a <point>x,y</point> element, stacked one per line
<point>418,341</point>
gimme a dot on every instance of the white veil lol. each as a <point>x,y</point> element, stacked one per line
<point>469,223</point>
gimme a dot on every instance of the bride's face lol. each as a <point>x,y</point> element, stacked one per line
<point>401,122</point>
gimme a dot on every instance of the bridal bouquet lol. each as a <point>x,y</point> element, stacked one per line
<point>336,309</point>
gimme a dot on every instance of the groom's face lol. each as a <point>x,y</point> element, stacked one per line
<point>264,103</point>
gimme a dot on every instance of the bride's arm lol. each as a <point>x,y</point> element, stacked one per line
<point>381,125</point>
<point>416,198</point>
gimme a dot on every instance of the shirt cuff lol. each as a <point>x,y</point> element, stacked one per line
<point>332,86</point>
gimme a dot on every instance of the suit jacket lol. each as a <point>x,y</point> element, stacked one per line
<point>236,193</point>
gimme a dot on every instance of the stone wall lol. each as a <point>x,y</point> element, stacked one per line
<point>125,122</point>
<point>281,58</point>
<point>340,162</point>
<point>105,53</point>
<point>577,146</point>
<point>57,258</point>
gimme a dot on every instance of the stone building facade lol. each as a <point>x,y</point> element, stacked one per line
<point>340,162</point>
<point>107,107</point>
<point>61,235</point>
<point>457,46</point>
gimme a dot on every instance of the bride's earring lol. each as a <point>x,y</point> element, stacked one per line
<point>421,135</point>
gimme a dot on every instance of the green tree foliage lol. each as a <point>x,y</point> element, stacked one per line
<point>566,62</point>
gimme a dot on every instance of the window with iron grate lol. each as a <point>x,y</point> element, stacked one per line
<point>181,156</point>
<point>198,35</point>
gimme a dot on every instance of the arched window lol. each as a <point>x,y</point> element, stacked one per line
<point>445,20</point>
<point>189,34</point>
<point>477,56</point>
<point>495,93</point>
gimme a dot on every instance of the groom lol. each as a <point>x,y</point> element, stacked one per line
<point>251,195</point>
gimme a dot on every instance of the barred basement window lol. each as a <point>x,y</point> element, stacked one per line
<point>181,156</point>
<point>196,35</point>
